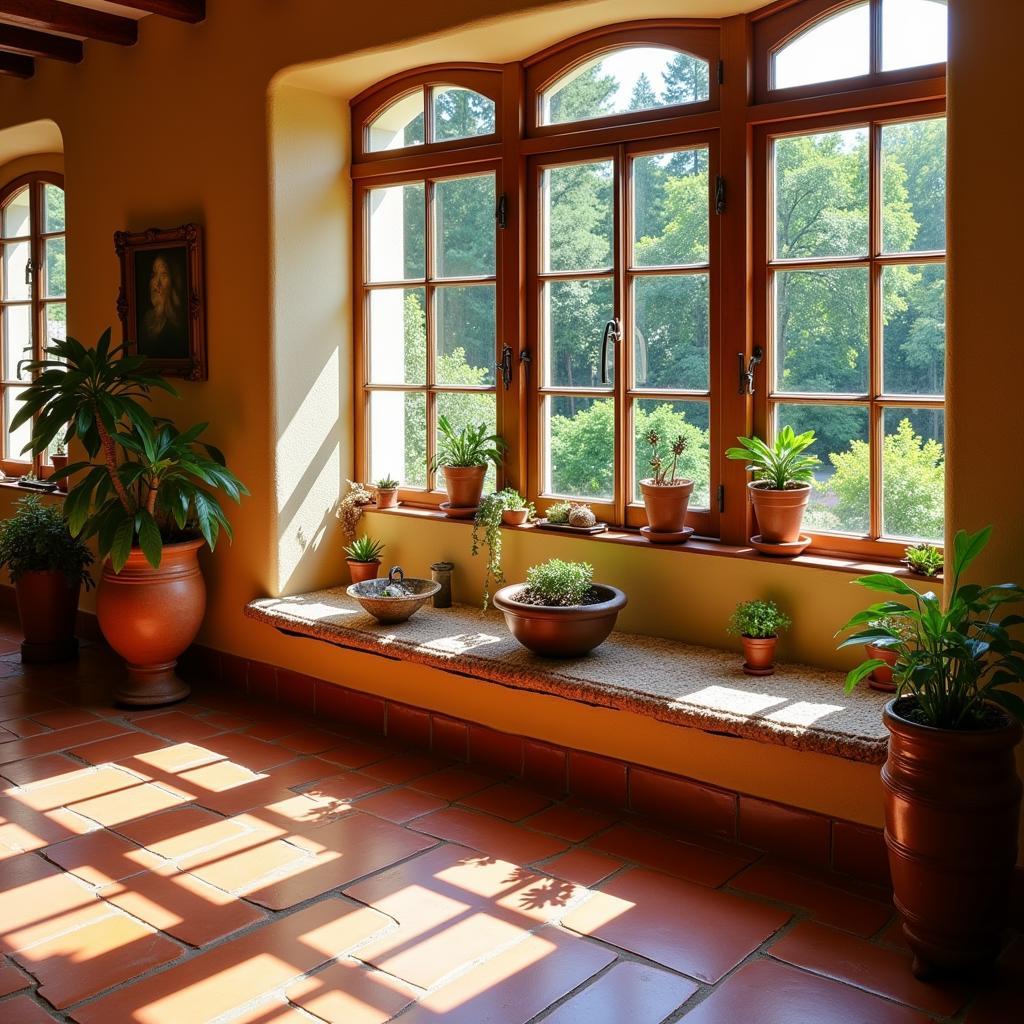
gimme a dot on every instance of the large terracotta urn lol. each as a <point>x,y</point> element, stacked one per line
<point>149,616</point>
<point>952,804</point>
<point>48,608</point>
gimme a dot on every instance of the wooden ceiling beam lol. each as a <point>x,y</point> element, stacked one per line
<point>16,65</point>
<point>54,16</point>
<point>30,43</point>
<point>182,10</point>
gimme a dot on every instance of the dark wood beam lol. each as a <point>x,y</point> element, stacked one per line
<point>182,10</point>
<point>54,16</point>
<point>30,43</point>
<point>16,65</point>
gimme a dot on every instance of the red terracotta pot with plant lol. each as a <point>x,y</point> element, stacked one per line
<point>148,494</point>
<point>363,558</point>
<point>952,794</point>
<point>666,496</point>
<point>758,624</point>
<point>59,461</point>
<point>463,457</point>
<point>387,492</point>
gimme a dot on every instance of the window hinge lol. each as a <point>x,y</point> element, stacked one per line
<point>721,497</point>
<point>719,195</point>
<point>721,72</point>
<point>501,211</point>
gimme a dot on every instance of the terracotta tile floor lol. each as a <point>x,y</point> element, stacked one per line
<point>223,861</point>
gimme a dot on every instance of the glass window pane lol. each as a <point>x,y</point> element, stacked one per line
<point>15,286</point>
<point>55,278</point>
<point>913,474</point>
<point>821,331</point>
<point>689,420</point>
<point>15,441</point>
<point>671,332</point>
<point>579,447</point>
<point>53,208</point>
<point>578,211</point>
<point>914,186</point>
<point>400,125</point>
<point>465,409</point>
<point>465,334</point>
<point>914,329</point>
<point>832,48</point>
<point>627,79</point>
<point>461,113</point>
<point>56,321</point>
<point>17,215</point>
<point>464,227</point>
<point>397,246</point>
<point>670,209</point>
<point>17,339</point>
<point>913,33</point>
<point>841,494</point>
<point>398,436</point>
<point>821,195</point>
<point>575,315</point>
<point>398,336</point>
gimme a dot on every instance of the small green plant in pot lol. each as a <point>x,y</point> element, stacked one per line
<point>48,567</point>
<point>881,677</point>
<point>463,457</point>
<point>666,496</point>
<point>506,507</point>
<point>363,557</point>
<point>758,624</point>
<point>952,794</point>
<point>924,558</point>
<point>387,492</point>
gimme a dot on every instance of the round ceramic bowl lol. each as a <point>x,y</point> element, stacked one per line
<point>395,599</point>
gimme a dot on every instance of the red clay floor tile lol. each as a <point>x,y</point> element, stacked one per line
<point>402,767</point>
<point>489,835</point>
<point>585,867</point>
<point>13,980</point>
<point>507,800</point>
<point>571,823</point>
<point>347,992</point>
<point>400,805</point>
<point>22,1010</point>
<point>452,783</point>
<point>794,834</point>
<point>181,831</point>
<point>173,725</point>
<point>101,857</point>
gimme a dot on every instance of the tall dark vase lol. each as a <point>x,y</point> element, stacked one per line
<point>47,607</point>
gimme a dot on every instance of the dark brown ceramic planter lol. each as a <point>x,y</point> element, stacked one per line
<point>666,505</point>
<point>952,803</point>
<point>464,485</point>
<point>561,632</point>
<point>387,497</point>
<point>47,607</point>
<point>759,655</point>
<point>779,513</point>
<point>362,571</point>
<point>881,678</point>
<point>60,462</point>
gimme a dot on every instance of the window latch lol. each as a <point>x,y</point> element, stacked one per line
<point>501,211</point>
<point>719,195</point>
<point>29,271</point>
<point>746,370</point>
<point>505,365</point>
<point>612,333</point>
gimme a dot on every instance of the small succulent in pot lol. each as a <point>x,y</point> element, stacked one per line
<point>363,557</point>
<point>925,559</point>
<point>387,492</point>
<point>758,624</point>
<point>503,507</point>
<point>666,496</point>
<point>463,457</point>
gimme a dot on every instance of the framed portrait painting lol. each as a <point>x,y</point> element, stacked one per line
<point>162,305</point>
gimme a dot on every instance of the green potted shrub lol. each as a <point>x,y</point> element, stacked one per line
<point>48,568</point>
<point>560,612</point>
<point>758,624</point>
<point>149,495</point>
<point>363,557</point>
<point>463,457</point>
<point>952,794</point>
<point>925,559</point>
<point>666,496</point>
<point>509,508</point>
<point>387,492</point>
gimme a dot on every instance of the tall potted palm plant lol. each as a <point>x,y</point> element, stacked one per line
<point>952,795</point>
<point>148,494</point>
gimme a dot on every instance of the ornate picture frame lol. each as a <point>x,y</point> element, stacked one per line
<point>162,300</point>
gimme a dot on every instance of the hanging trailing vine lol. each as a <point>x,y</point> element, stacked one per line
<point>488,519</point>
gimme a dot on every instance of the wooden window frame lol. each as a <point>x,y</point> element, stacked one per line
<point>35,181</point>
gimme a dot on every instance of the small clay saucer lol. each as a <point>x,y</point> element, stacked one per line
<point>465,512</point>
<point>788,550</point>
<point>674,537</point>
<point>758,671</point>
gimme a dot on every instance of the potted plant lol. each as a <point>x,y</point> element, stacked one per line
<point>463,457</point>
<point>363,558</point>
<point>387,492</point>
<point>881,677</point>
<point>148,494</point>
<point>952,794</point>
<point>781,486</point>
<point>666,496</point>
<point>503,507</point>
<point>560,612</point>
<point>758,624</point>
<point>59,461</point>
<point>48,568</point>
<point>924,559</point>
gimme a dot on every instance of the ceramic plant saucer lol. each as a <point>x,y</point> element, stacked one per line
<point>788,550</point>
<point>673,537</point>
<point>457,512</point>
<point>758,671</point>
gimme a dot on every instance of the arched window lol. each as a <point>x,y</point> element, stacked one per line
<point>836,46</point>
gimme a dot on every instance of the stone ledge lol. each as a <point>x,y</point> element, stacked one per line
<point>699,687</point>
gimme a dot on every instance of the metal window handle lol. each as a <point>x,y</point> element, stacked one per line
<point>29,271</point>
<point>613,333</point>
<point>746,370</point>
<point>505,365</point>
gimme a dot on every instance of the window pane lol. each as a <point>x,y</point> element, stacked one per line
<point>398,436</point>
<point>579,447</point>
<point>15,441</point>
<point>17,217</point>
<point>398,126</point>
<point>670,420</point>
<point>578,212</point>
<point>15,265</point>
<point>461,114</point>
<point>631,78</point>
<point>833,48</point>
<point>55,280</point>
<point>914,186</point>
<point>670,209</point>
<point>671,332</point>
<point>914,329</point>
<point>913,473</point>
<point>56,321</point>
<point>841,494</point>
<point>464,227</point>
<point>821,331</point>
<point>576,313</point>
<point>398,336</point>
<point>465,334</point>
<point>17,337</point>
<point>397,247</point>
<point>53,208</point>
<point>464,410</point>
<point>821,195</point>
<point>913,33</point>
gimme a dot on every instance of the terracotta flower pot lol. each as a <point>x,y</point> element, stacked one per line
<point>361,571</point>
<point>881,678</point>
<point>60,462</point>
<point>514,516</point>
<point>47,607</point>
<point>464,484</point>
<point>560,632</point>
<point>387,497</point>
<point>952,803</point>
<point>149,616</point>
<point>666,504</point>
<point>759,655</point>
<point>779,513</point>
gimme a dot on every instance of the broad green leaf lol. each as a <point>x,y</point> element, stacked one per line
<point>121,546</point>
